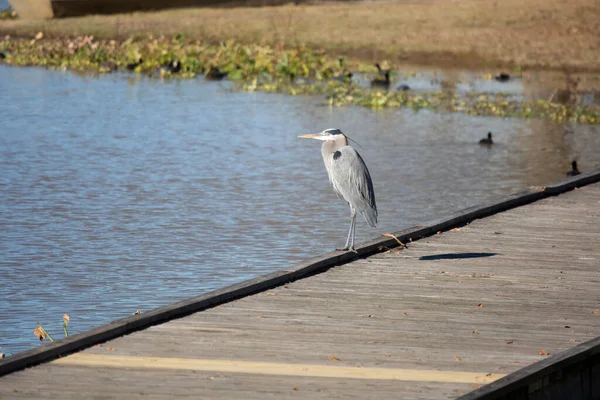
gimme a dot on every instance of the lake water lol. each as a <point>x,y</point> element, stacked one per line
<point>120,193</point>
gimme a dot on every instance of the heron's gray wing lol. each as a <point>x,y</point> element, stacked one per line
<point>351,179</point>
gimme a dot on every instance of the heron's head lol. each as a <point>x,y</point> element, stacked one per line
<point>327,134</point>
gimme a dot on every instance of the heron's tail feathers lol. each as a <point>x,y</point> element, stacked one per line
<point>370,214</point>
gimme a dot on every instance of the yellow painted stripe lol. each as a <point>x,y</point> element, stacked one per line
<point>269,368</point>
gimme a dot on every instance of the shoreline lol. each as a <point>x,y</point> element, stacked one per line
<point>546,36</point>
<point>296,71</point>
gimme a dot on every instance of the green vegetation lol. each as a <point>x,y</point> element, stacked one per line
<point>297,71</point>
<point>8,13</point>
<point>472,103</point>
<point>43,334</point>
<point>150,56</point>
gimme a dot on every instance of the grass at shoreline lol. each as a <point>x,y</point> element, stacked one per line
<point>541,34</point>
<point>297,71</point>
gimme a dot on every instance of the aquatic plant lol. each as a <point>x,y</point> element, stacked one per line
<point>66,320</point>
<point>42,334</point>
<point>148,55</point>
<point>472,103</point>
<point>4,355</point>
<point>295,71</point>
<point>8,13</point>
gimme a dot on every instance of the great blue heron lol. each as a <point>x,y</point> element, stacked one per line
<point>349,176</point>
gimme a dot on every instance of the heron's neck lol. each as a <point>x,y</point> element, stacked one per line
<point>331,146</point>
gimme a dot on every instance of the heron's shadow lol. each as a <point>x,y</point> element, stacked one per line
<point>456,256</point>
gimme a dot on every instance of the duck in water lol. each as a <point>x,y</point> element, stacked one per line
<point>574,170</point>
<point>214,74</point>
<point>488,140</point>
<point>502,77</point>
<point>382,83</point>
<point>174,66</point>
<point>132,66</point>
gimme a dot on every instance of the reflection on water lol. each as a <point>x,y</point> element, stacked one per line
<point>118,195</point>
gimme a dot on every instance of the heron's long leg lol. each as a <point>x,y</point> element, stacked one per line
<point>351,230</point>
<point>350,239</point>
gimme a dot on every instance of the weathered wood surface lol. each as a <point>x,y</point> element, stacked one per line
<point>482,299</point>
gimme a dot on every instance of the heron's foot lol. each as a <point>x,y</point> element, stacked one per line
<point>352,249</point>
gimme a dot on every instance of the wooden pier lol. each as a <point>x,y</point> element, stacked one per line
<point>510,299</point>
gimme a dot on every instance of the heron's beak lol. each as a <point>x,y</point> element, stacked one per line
<point>317,136</point>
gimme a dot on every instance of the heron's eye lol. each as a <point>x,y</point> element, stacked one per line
<point>337,155</point>
<point>331,132</point>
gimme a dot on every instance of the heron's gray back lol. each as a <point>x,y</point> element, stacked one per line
<point>350,178</point>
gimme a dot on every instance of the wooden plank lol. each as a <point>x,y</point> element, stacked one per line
<point>133,384</point>
<point>279,369</point>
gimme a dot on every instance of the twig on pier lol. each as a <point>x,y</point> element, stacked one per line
<point>393,236</point>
